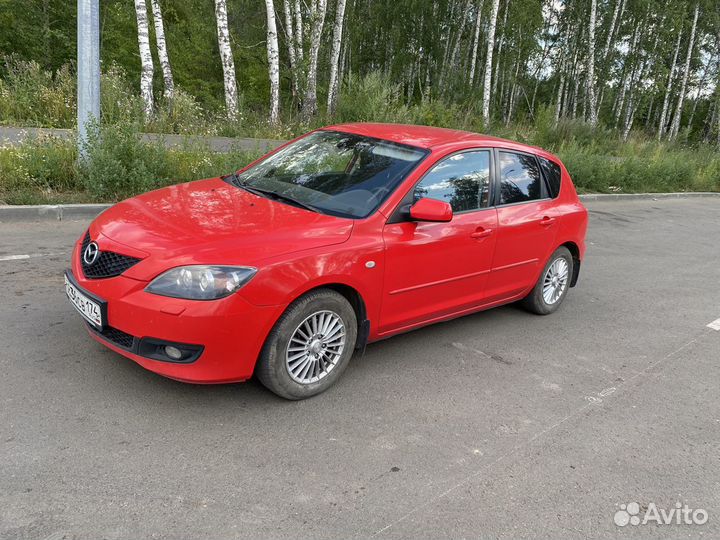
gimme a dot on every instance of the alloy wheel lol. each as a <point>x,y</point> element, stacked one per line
<point>555,281</point>
<point>315,347</point>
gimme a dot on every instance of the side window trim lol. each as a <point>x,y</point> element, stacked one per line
<point>496,185</point>
<point>402,210</point>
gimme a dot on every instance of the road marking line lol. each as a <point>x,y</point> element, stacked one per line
<point>715,325</point>
<point>24,256</point>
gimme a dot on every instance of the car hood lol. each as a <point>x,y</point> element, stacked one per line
<point>210,222</point>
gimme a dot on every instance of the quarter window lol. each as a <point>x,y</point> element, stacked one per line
<point>463,180</point>
<point>552,173</point>
<point>520,178</point>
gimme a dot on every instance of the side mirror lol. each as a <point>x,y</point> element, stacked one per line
<point>431,210</point>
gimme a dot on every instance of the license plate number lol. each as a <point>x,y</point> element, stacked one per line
<point>87,307</point>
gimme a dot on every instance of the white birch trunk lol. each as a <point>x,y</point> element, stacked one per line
<point>558,103</point>
<point>501,43</point>
<point>476,42</point>
<point>162,50</point>
<point>146,61</point>
<point>620,103</point>
<point>668,88</point>
<point>487,83</point>
<point>458,38</point>
<point>299,36</point>
<point>318,20</point>
<point>287,10</point>
<point>273,54</point>
<point>611,30</point>
<point>335,57</point>
<point>226,58</point>
<point>592,97</point>
<point>675,127</point>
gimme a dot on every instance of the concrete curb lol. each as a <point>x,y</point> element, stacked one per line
<point>53,212</point>
<point>65,212</point>
<point>646,196</point>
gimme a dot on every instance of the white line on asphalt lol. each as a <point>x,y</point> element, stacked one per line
<point>715,325</point>
<point>24,256</point>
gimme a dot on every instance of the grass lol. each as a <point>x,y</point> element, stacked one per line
<point>120,165</point>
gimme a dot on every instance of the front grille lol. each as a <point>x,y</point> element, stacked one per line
<point>118,337</point>
<point>108,263</point>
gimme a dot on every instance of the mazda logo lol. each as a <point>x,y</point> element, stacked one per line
<point>91,253</point>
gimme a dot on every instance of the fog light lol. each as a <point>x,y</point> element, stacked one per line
<point>173,352</point>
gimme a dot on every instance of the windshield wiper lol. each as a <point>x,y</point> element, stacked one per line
<point>283,197</point>
<point>234,180</point>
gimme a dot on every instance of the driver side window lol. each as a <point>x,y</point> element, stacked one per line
<point>463,180</point>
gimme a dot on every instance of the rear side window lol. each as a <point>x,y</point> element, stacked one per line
<point>552,173</point>
<point>520,178</point>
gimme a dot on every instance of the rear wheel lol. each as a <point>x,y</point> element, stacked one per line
<point>551,288</point>
<point>310,346</point>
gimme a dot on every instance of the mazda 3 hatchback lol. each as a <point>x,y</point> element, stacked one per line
<point>344,236</point>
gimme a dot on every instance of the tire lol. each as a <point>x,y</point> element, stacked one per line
<point>538,301</point>
<point>316,360</point>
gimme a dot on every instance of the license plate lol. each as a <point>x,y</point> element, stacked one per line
<point>89,308</point>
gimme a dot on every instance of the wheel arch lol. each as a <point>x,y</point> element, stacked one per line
<point>356,300</point>
<point>574,250</point>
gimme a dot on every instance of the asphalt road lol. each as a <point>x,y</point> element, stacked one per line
<point>500,424</point>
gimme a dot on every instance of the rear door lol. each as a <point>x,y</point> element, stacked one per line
<point>527,224</point>
<point>432,269</point>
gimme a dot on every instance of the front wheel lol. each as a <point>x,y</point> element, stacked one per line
<point>551,288</point>
<point>310,345</point>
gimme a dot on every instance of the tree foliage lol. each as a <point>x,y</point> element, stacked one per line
<point>421,52</point>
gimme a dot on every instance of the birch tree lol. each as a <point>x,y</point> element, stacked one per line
<point>146,62</point>
<point>616,16</point>
<point>335,57</point>
<point>162,50</point>
<point>290,35</point>
<point>226,58</point>
<point>675,126</point>
<point>487,83</point>
<point>668,88</point>
<point>476,42</point>
<point>453,64</point>
<point>592,98</point>
<point>273,55</point>
<point>318,20</point>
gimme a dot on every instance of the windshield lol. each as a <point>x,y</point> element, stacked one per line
<point>342,174</point>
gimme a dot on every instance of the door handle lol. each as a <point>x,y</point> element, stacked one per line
<point>479,235</point>
<point>547,221</point>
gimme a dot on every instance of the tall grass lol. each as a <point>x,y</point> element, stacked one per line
<point>119,165</point>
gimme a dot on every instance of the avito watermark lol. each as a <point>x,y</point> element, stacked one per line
<point>680,514</point>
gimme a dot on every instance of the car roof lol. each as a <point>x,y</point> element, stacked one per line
<point>432,138</point>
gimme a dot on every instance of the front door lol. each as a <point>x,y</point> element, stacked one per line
<point>434,269</point>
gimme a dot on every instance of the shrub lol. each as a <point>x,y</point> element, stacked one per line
<point>119,101</point>
<point>371,99</point>
<point>32,96</point>
<point>44,167</point>
<point>121,164</point>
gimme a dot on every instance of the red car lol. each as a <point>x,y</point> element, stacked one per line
<point>344,236</point>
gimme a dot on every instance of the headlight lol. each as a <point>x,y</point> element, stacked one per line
<point>201,282</point>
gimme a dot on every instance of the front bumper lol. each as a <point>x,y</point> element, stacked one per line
<point>231,331</point>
